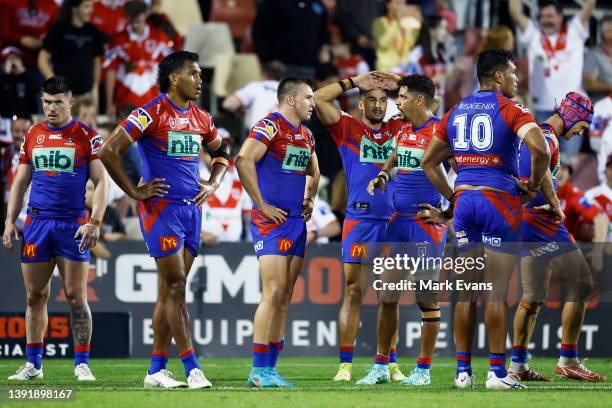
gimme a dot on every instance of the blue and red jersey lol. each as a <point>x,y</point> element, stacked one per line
<point>281,172</point>
<point>412,187</point>
<point>483,131</point>
<point>60,159</point>
<point>525,162</point>
<point>169,140</point>
<point>364,151</point>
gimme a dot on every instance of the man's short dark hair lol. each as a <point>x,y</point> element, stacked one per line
<point>547,3</point>
<point>289,86</point>
<point>491,61</point>
<point>170,64</point>
<point>420,84</point>
<point>134,8</point>
<point>56,85</point>
<point>274,70</point>
<point>364,92</point>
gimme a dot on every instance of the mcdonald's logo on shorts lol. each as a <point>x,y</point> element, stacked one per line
<point>29,250</point>
<point>359,250</point>
<point>168,243</point>
<point>284,244</point>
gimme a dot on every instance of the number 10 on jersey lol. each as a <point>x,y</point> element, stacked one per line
<point>480,132</point>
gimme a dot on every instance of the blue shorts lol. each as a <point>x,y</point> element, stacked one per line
<point>167,226</point>
<point>357,234</point>
<point>286,239</point>
<point>542,237</point>
<point>415,236</point>
<point>46,238</point>
<point>489,217</point>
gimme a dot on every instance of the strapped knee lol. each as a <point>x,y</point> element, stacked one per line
<point>530,306</point>
<point>429,314</point>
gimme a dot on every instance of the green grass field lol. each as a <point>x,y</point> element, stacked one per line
<point>119,384</point>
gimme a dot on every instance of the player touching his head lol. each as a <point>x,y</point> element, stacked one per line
<point>58,157</point>
<point>411,192</point>
<point>483,132</point>
<point>278,168</point>
<point>364,144</point>
<point>540,228</point>
<point>170,130</point>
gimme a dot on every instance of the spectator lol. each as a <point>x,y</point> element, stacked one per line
<point>598,65</point>
<point>497,37</point>
<point>18,87</point>
<point>24,23</point>
<point>431,57</point>
<point>131,61</point>
<point>257,99</point>
<point>323,224</point>
<point>10,154</point>
<point>580,214</point>
<point>161,21</point>
<point>347,64</point>
<point>85,110</point>
<point>355,18</point>
<point>395,34</point>
<point>555,53</point>
<point>600,134</point>
<point>443,10</point>
<point>108,17</point>
<point>73,48</point>
<point>227,213</point>
<point>292,32</point>
<point>601,196</point>
<point>339,195</point>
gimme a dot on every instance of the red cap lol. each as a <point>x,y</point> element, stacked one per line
<point>6,51</point>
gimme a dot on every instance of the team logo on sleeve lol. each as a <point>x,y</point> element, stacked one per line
<point>265,127</point>
<point>140,118</point>
<point>96,144</point>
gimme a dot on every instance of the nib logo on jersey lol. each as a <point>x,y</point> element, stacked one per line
<point>183,144</point>
<point>370,152</point>
<point>409,158</point>
<point>296,158</point>
<point>54,159</point>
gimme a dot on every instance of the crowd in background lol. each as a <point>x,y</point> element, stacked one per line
<point>109,50</point>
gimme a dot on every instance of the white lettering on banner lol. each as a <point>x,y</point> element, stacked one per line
<point>299,331</point>
<point>51,350</point>
<point>244,331</point>
<point>220,275</point>
<point>326,333</point>
<point>136,279</point>
<point>147,331</point>
<point>224,335</point>
<point>546,336</point>
<point>197,332</point>
<point>589,329</point>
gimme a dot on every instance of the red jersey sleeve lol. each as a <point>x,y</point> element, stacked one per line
<point>586,210</point>
<point>515,115</point>
<point>95,143</point>
<point>340,129</point>
<point>210,132</point>
<point>440,129</point>
<point>264,131</point>
<point>139,121</point>
<point>24,152</point>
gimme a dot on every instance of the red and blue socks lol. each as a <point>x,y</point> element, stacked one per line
<point>464,362</point>
<point>392,356</point>
<point>81,354</point>
<point>346,354</point>
<point>424,363</point>
<point>189,360</point>
<point>381,360</point>
<point>274,351</point>
<point>34,352</point>
<point>159,361</point>
<point>520,358</point>
<point>497,364</point>
<point>568,355</point>
<point>261,354</point>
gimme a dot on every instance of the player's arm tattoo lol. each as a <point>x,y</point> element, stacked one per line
<point>80,321</point>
